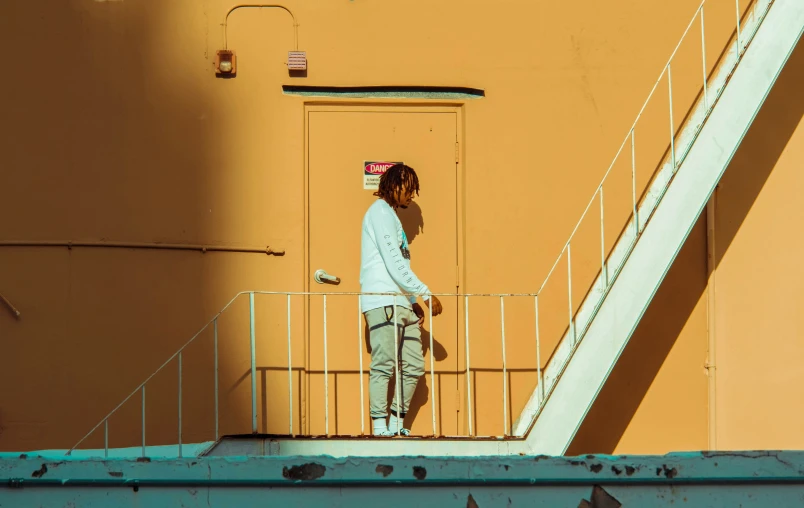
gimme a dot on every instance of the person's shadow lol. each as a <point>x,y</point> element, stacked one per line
<point>413,223</point>
<point>412,220</point>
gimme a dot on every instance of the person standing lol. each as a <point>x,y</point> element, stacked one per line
<point>385,268</point>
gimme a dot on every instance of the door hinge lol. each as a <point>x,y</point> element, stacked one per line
<point>457,151</point>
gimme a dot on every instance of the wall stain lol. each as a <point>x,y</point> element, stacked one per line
<point>668,473</point>
<point>384,469</point>
<point>311,471</point>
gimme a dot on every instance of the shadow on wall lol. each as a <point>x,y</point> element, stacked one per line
<point>106,146</point>
<point>412,220</point>
<point>685,283</point>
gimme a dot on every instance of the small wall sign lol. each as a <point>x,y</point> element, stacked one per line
<point>373,170</point>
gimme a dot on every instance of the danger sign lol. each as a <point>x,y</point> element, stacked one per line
<point>373,170</point>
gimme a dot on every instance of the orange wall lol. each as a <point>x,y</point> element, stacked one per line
<point>759,277</point>
<point>119,131</point>
<point>655,399</point>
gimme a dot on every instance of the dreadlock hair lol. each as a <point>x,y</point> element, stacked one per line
<point>394,178</point>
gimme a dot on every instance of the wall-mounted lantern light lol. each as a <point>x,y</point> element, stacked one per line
<point>226,63</point>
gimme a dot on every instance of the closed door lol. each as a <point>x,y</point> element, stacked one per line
<point>340,141</point>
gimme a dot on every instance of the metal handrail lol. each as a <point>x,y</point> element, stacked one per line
<point>141,388</point>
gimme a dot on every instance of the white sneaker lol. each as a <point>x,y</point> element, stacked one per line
<point>402,432</point>
<point>384,433</point>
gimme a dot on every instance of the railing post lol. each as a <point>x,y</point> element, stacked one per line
<point>604,275</point>
<point>571,330</point>
<point>397,374</point>
<point>217,419</point>
<point>633,186</point>
<point>106,439</point>
<point>360,360</point>
<point>253,363</point>
<point>703,60</point>
<point>290,376</point>
<point>432,372</point>
<point>672,123</point>
<point>505,367</point>
<point>737,12</point>
<point>180,354</point>
<point>326,373</point>
<point>538,351</point>
<point>143,420</point>
<point>468,371</point>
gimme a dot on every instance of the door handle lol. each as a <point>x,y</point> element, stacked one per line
<point>322,277</point>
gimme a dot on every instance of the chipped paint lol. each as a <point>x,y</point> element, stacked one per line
<point>600,481</point>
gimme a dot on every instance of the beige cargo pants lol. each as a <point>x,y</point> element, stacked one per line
<point>408,351</point>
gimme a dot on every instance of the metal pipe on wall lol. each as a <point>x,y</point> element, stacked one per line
<point>260,6</point>
<point>142,245</point>
<point>711,361</point>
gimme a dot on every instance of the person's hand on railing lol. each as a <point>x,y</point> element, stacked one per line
<point>434,304</point>
<point>417,309</point>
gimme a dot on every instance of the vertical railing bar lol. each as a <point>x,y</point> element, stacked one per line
<point>603,272</point>
<point>633,185</point>
<point>106,439</point>
<point>326,373</point>
<point>737,12</point>
<point>703,60</point>
<point>143,420</point>
<point>672,123</point>
<point>397,374</point>
<point>571,330</point>
<point>432,370</point>
<point>360,359</point>
<point>180,358</point>
<point>215,337</point>
<point>539,371</point>
<point>290,375</point>
<point>505,367</point>
<point>253,341</point>
<point>468,371</point>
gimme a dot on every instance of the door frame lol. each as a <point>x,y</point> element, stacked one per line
<point>460,215</point>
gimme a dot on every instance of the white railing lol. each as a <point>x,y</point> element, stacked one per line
<point>679,145</point>
<point>213,323</point>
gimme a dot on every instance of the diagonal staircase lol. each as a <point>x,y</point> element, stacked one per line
<point>675,201</point>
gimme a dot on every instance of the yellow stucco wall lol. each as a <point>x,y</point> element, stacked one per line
<point>758,281</point>
<point>117,130</point>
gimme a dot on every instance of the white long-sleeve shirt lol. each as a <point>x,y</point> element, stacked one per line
<point>385,261</point>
